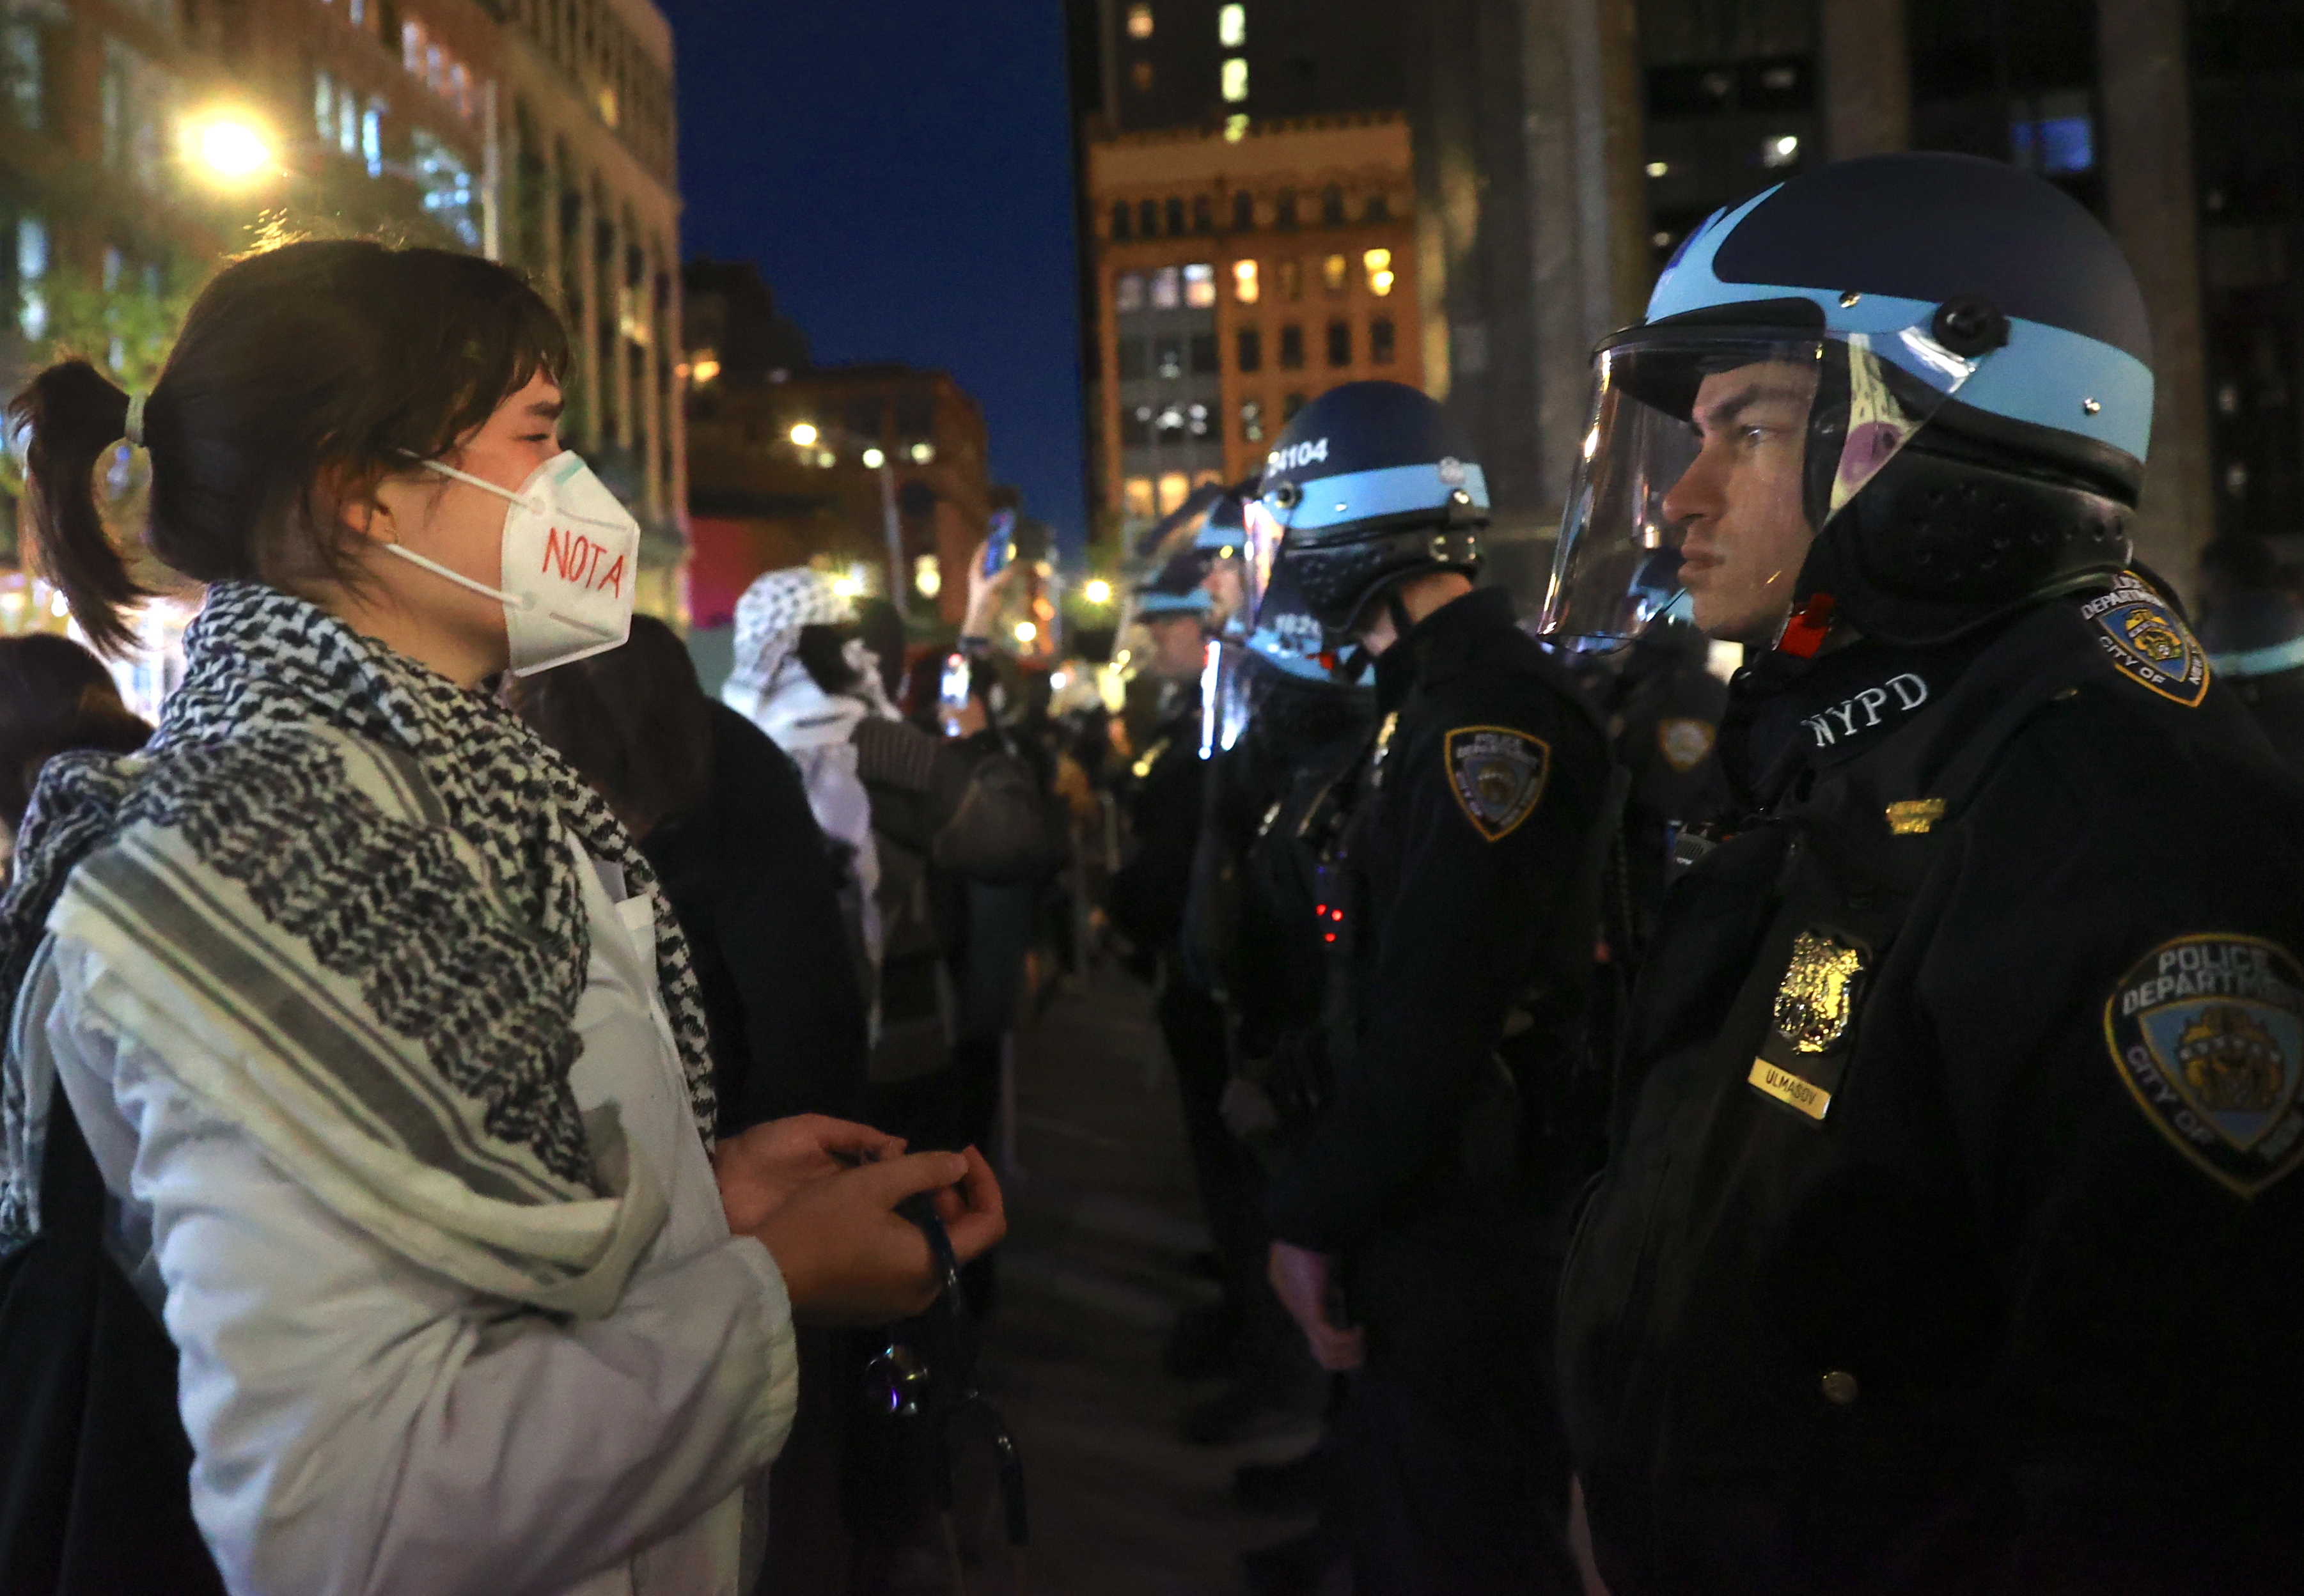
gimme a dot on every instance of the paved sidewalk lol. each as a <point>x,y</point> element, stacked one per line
<point>1103,1227</point>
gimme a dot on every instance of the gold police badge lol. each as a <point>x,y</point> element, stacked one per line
<point>2148,642</point>
<point>2208,1034</point>
<point>1498,776</point>
<point>1815,1003</point>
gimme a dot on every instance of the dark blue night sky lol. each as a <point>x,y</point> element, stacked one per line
<point>901,172</point>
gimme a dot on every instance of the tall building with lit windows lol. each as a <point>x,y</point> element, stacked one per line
<point>143,142</point>
<point>1248,233</point>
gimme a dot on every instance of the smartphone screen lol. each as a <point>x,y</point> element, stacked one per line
<point>954,691</point>
<point>1000,546</point>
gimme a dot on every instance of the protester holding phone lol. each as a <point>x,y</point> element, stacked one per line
<point>376,1025</point>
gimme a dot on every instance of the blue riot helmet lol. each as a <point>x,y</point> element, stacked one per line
<point>2251,624</point>
<point>1956,348</point>
<point>1369,482</point>
<point>1222,538</point>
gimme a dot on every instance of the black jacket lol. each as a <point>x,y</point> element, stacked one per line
<point>1472,818</point>
<point>1165,793</point>
<point>1910,1270</point>
<point>758,896</point>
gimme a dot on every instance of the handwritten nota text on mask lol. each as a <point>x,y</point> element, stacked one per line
<point>575,557</point>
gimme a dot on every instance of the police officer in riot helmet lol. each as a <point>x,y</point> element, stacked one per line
<point>1948,1237</point>
<point>2253,628</point>
<point>1412,1237</point>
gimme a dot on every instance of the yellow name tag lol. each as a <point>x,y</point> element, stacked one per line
<point>1786,1087</point>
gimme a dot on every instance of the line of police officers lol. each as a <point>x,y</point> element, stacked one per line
<point>1831,1133</point>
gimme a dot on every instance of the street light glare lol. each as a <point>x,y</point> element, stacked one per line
<point>1097,591</point>
<point>231,148</point>
<point>874,458</point>
<point>805,434</point>
<point>1026,631</point>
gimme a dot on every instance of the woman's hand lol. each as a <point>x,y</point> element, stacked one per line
<point>1304,1281</point>
<point>761,1169</point>
<point>986,594</point>
<point>849,1258</point>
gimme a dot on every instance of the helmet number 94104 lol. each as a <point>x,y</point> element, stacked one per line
<point>1296,454</point>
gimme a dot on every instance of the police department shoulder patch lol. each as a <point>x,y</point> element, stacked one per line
<point>1684,742</point>
<point>2208,1033</point>
<point>2148,642</point>
<point>1498,776</point>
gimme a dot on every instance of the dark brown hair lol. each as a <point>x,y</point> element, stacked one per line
<point>308,372</point>
<point>634,721</point>
<point>55,696</point>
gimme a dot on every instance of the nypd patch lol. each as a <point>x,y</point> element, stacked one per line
<point>1498,774</point>
<point>2208,1033</point>
<point>2148,642</point>
<point>1684,742</point>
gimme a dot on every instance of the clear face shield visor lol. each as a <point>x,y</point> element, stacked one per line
<point>1259,556</point>
<point>1713,456</point>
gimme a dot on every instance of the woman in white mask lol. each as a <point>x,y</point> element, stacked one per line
<point>799,679</point>
<point>352,1035</point>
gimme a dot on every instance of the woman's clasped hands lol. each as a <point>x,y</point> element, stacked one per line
<point>821,1194</point>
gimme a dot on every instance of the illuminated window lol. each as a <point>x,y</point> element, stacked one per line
<point>1139,21</point>
<point>1243,211</point>
<point>1196,420</point>
<point>1140,75</point>
<point>32,273</point>
<point>1175,488</point>
<point>1169,423</point>
<point>1377,264</point>
<point>1337,273</point>
<point>1232,26</point>
<point>1120,219</point>
<point>1236,127</point>
<point>1380,340</point>
<point>1166,286</point>
<point>1199,285</point>
<point>1250,347</point>
<point>1251,421</point>
<point>1340,343</point>
<point>1136,497</point>
<point>1235,80</point>
<point>1292,279</point>
<point>1292,348</point>
<point>1244,286</point>
<point>1128,294</point>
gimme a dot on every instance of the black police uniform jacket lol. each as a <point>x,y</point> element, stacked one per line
<point>1950,1239</point>
<point>1473,831</point>
<point>1165,791</point>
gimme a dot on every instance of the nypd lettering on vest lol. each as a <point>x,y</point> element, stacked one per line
<point>1297,454</point>
<point>1498,776</point>
<point>2208,1033</point>
<point>1901,694</point>
<point>2148,643</point>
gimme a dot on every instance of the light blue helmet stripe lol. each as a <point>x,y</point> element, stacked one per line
<point>1195,603</point>
<point>2269,661</point>
<point>2041,376</point>
<point>1213,538</point>
<point>1391,490</point>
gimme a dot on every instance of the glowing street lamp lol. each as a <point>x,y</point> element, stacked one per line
<point>230,148</point>
<point>1097,591</point>
<point>875,458</point>
<point>805,434</point>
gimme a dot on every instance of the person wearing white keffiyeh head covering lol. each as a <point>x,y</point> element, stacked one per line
<point>812,711</point>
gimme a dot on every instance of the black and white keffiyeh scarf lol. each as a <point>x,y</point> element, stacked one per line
<point>350,881</point>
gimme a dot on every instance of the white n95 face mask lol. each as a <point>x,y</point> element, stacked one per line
<point>570,558</point>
